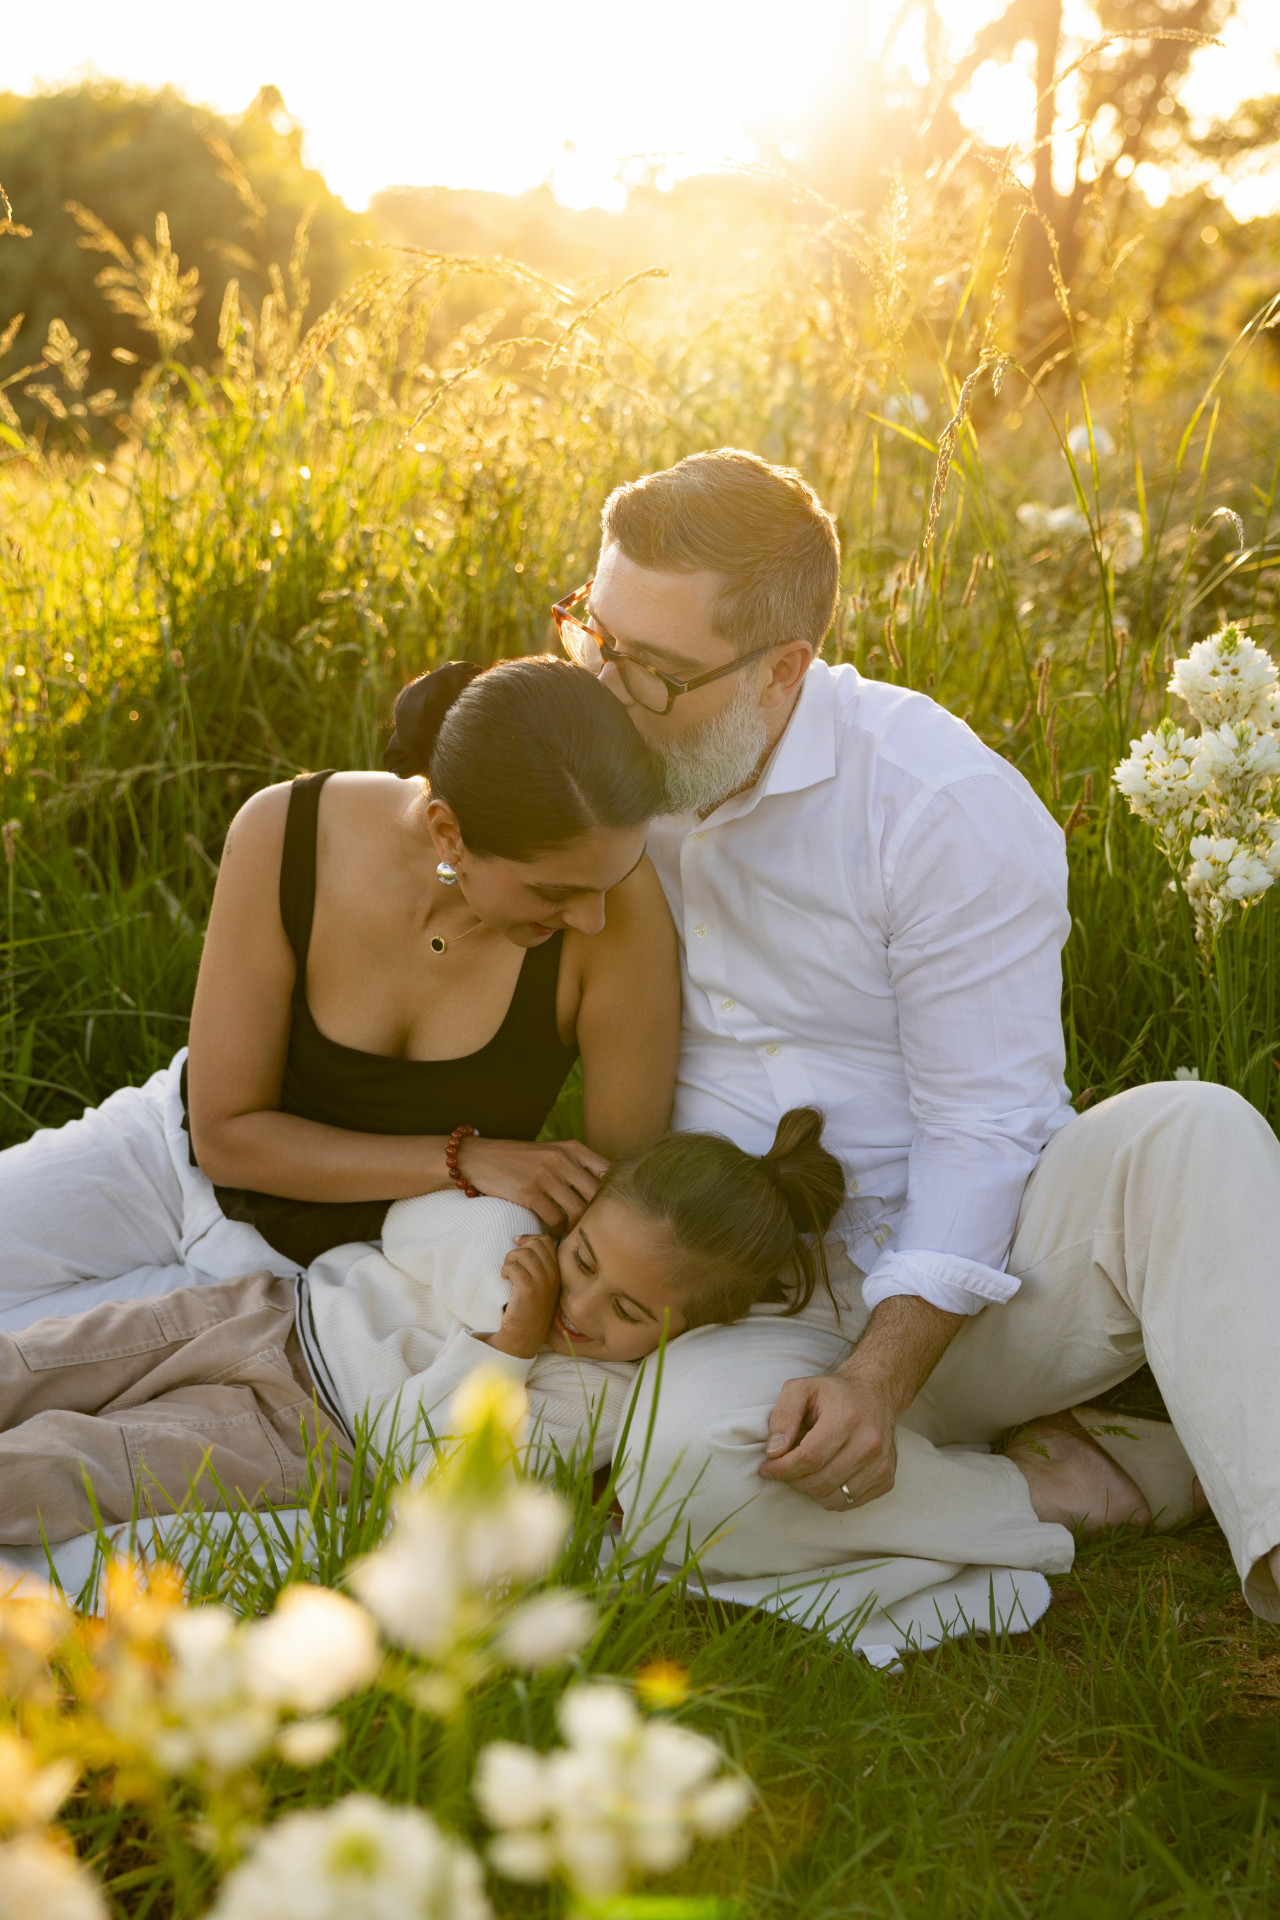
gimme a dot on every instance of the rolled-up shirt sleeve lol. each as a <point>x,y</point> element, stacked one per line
<point>977,915</point>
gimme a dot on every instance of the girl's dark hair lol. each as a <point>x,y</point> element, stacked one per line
<point>530,754</point>
<point>750,1227</point>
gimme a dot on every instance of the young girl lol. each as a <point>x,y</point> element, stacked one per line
<point>222,1391</point>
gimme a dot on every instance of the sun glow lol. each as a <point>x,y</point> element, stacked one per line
<point>586,96</point>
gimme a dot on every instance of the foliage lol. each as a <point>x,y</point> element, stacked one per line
<point>233,192</point>
<point>174,1710</point>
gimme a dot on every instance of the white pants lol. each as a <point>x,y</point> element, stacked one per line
<point>1149,1230</point>
<point>109,1207</point>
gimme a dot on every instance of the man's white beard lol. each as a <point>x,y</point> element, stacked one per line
<point>707,765</point>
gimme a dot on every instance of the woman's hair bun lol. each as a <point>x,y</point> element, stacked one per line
<point>419,714</point>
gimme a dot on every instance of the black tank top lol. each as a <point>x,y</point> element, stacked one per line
<point>505,1090</point>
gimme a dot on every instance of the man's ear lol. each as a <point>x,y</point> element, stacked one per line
<point>787,669</point>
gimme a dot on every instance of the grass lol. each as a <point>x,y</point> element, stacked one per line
<point>227,585</point>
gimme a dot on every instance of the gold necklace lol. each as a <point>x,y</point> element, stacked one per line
<point>438,943</point>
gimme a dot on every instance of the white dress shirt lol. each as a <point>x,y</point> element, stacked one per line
<point>875,930</point>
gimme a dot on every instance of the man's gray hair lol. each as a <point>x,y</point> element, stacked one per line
<point>761,528</point>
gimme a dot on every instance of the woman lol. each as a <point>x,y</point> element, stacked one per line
<point>393,960</point>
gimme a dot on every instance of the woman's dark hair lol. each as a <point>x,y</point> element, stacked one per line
<point>530,754</point>
<point>750,1226</point>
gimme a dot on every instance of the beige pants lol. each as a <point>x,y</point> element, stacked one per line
<point>148,1399</point>
<point>1149,1230</point>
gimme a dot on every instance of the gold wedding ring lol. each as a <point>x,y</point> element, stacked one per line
<point>848,1497</point>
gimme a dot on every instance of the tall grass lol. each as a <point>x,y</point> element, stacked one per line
<point>228,584</point>
<point>232,586</point>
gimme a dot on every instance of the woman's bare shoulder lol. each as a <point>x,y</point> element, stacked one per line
<point>257,830</point>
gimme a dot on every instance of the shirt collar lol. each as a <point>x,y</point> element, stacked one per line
<point>806,752</point>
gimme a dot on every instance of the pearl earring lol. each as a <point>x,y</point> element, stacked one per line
<point>447,875</point>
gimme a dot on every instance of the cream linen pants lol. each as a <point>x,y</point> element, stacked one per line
<point>1150,1229</point>
<point>109,1207</point>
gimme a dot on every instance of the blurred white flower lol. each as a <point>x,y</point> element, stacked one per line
<point>1122,541</point>
<point>213,1706</point>
<point>544,1631</point>
<point>907,409</point>
<point>206,1717</point>
<point>30,1794</point>
<point>1186,1073</point>
<point>1041,520</point>
<point>39,1881</point>
<point>624,1797</point>
<point>1078,441</point>
<point>1226,678</point>
<point>450,1557</point>
<point>305,1743</point>
<point>412,1584</point>
<point>358,1860</point>
<point>313,1650</point>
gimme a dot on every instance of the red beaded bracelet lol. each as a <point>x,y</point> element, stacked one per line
<point>459,1178</point>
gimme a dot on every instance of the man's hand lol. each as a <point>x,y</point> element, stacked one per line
<point>827,1431</point>
<point>830,1431</point>
<point>534,1273</point>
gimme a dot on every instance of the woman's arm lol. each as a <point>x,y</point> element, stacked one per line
<point>240,1024</point>
<point>629,1018</point>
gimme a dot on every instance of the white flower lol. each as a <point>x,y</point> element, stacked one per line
<point>1078,441</point>
<point>1226,677</point>
<point>1237,753</point>
<point>358,1860</point>
<point>544,1631</point>
<point>1041,520</point>
<point>412,1583</point>
<point>305,1743</point>
<point>30,1794</point>
<point>313,1650</point>
<point>1186,1073</point>
<point>1123,540</point>
<point>1161,778</point>
<point>624,1797</point>
<point>38,1881</point>
<point>517,1537</point>
<point>438,1576</point>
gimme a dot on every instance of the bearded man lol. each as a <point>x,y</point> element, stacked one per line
<point>871,908</point>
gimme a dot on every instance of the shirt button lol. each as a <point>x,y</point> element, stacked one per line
<point>699,930</point>
<point>728,1005</point>
<point>772,1047</point>
<point>699,836</point>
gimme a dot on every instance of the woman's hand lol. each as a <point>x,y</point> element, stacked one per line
<point>556,1179</point>
<point>534,1273</point>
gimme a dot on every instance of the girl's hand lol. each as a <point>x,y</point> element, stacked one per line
<point>534,1273</point>
<point>556,1179</point>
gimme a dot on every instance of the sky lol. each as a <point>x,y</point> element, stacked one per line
<point>504,94</point>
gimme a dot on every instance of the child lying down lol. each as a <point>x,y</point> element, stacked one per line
<point>223,1391</point>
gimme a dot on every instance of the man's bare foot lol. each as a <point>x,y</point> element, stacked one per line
<point>1071,1480</point>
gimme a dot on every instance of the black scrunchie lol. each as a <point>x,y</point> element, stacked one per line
<point>419,714</point>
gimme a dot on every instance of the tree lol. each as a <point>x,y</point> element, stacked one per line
<point>234,192</point>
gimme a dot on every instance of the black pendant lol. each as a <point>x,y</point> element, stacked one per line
<point>438,945</point>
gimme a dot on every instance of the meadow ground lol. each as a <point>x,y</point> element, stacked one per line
<point>226,582</point>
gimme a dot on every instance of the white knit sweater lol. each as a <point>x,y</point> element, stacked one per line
<point>396,1328</point>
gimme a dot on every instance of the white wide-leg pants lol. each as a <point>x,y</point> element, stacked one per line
<point>1149,1230</point>
<point>109,1207</point>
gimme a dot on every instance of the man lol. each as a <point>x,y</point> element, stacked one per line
<point>871,907</point>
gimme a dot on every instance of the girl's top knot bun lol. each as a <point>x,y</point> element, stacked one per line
<point>809,1179</point>
<point>419,714</point>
